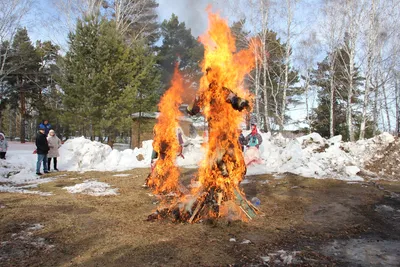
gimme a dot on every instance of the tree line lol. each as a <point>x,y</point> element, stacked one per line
<point>120,59</point>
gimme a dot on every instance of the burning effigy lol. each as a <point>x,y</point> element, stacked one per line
<point>222,99</point>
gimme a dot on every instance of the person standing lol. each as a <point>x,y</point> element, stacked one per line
<point>3,146</point>
<point>42,148</point>
<point>54,144</point>
<point>253,142</point>
<point>254,139</point>
<point>242,139</point>
<point>47,127</point>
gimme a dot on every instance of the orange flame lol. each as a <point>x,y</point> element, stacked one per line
<point>223,167</point>
<point>164,178</point>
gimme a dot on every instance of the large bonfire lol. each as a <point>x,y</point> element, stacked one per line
<point>221,97</point>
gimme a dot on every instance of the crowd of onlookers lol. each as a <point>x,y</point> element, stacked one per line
<point>47,145</point>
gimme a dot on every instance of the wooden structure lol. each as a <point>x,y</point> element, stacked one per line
<point>143,124</point>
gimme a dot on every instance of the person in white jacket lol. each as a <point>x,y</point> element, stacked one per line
<point>3,146</point>
<point>54,144</point>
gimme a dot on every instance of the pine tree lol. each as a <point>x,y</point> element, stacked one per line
<point>79,68</point>
<point>23,80</point>
<point>241,34</point>
<point>103,79</point>
<point>321,77</point>
<point>179,45</point>
<point>50,96</point>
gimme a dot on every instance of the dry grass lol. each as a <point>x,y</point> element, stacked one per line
<point>113,231</point>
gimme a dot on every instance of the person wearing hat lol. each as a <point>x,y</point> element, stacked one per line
<point>47,127</point>
<point>54,144</point>
<point>254,139</point>
<point>42,148</point>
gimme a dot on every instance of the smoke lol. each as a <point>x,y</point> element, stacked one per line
<point>192,12</point>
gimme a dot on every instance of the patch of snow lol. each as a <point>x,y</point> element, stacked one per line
<point>122,175</point>
<point>17,189</point>
<point>93,188</point>
<point>351,170</point>
<point>26,239</point>
<point>265,259</point>
<point>282,257</point>
<point>384,208</point>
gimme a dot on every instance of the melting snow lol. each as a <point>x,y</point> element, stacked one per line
<point>93,188</point>
<point>309,155</point>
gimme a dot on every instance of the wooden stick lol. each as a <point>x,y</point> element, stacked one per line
<point>246,213</point>
<point>195,211</point>
<point>248,202</point>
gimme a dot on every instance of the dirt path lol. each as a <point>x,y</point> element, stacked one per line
<point>305,222</point>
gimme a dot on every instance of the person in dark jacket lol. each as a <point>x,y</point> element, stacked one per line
<point>42,148</point>
<point>47,127</point>
<point>242,139</point>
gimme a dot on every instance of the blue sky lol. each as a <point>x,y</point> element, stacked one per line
<point>43,21</point>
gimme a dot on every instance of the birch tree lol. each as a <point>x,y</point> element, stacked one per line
<point>308,49</point>
<point>136,19</point>
<point>290,9</point>
<point>332,36</point>
<point>352,13</point>
<point>11,14</point>
<point>371,38</point>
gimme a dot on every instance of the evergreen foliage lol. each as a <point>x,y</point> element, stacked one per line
<point>275,78</point>
<point>179,45</point>
<point>321,78</point>
<point>105,80</point>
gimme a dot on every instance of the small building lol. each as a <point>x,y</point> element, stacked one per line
<point>143,124</point>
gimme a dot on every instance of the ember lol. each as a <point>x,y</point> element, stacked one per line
<point>221,98</point>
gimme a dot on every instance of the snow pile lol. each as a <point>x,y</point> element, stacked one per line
<point>93,188</point>
<point>364,150</point>
<point>19,165</point>
<point>386,162</point>
<point>309,155</point>
<point>313,156</point>
<point>81,154</point>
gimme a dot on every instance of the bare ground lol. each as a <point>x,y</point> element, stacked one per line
<point>305,222</point>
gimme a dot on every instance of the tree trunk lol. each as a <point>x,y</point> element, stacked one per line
<point>397,108</point>
<point>287,62</point>
<point>375,112</point>
<point>349,110</point>
<point>332,99</point>
<point>370,54</point>
<point>138,130</point>
<point>257,84</point>
<point>306,87</point>
<point>264,11</point>
<point>386,107</point>
<point>22,112</point>
<point>267,126</point>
